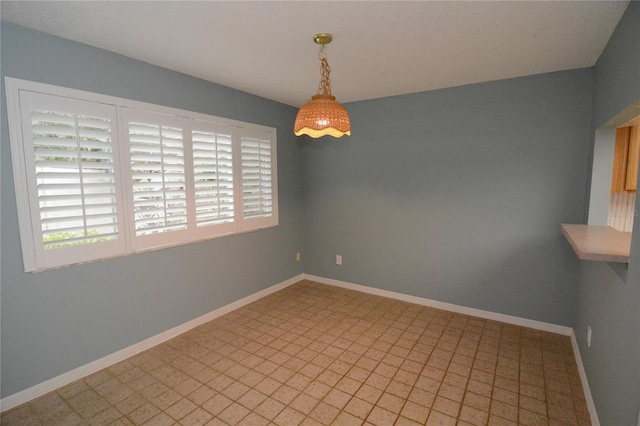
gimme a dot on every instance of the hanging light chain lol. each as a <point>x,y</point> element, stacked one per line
<point>324,88</point>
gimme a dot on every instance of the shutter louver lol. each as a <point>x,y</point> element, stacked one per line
<point>75,178</point>
<point>158,177</point>
<point>256,177</point>
<point>213,177</point>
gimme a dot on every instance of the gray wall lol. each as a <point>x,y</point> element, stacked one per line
<point>458,195</point>
<point>609,297</point>
<point>55,321</point>
<point>455,195</point>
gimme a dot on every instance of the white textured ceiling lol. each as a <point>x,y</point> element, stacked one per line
<point>379,49</point>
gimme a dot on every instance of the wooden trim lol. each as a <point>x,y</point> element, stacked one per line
<point>620,160</point>
<point>632,160</point>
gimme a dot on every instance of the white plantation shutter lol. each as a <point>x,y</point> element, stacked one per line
<point>158,176</point>
<point>212,153</point>
<point>257,150</point>
<point>98,176</point>
<point>73,193</point>
<point>75,177</point>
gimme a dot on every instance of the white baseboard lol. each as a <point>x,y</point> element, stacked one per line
<point>64,379</point>
<point>523,322</point>
<point>585,383</point>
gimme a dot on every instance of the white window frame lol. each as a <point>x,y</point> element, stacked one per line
<point>29,220</point>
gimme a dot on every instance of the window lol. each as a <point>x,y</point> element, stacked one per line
<point>98,177</point>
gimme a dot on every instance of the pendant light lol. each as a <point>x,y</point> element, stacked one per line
<point>323,115</point>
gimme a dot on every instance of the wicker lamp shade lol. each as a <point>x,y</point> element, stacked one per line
<point>322,116</point>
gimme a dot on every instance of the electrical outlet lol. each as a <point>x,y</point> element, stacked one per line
<point>298,257</point>
<point>338,259</point>
<point>588,336</point>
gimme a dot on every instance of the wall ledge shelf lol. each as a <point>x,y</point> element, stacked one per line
<point>600,243</point>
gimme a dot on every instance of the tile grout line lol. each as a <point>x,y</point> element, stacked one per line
<point>338,316</point>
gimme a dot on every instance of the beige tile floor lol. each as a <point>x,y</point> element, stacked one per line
<point>313,354</point>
